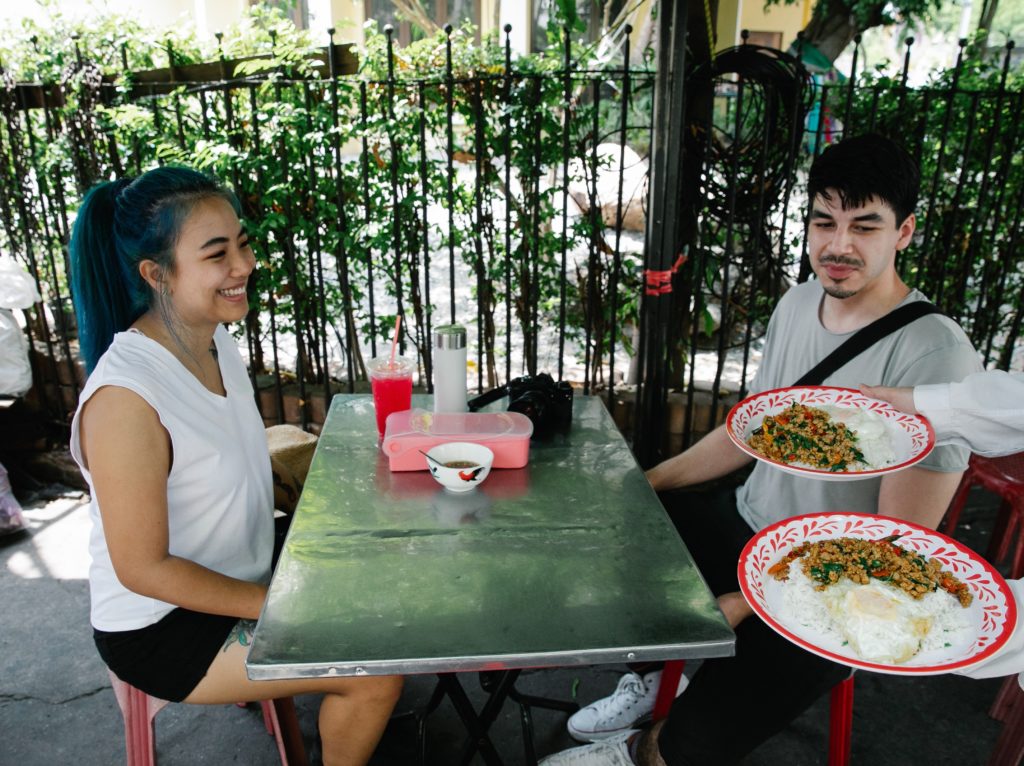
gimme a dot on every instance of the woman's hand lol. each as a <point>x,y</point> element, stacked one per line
<point>900,398</point>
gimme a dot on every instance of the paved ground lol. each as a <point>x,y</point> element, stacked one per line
<point>56,705</point>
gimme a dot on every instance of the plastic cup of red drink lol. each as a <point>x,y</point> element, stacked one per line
<point>391,384</point>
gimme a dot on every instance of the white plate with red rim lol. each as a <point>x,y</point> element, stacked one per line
<point>992,614</point>
<point>912,436</point>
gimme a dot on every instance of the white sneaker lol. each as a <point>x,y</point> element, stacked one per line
<point>630,704</point>
<point>613,751</point>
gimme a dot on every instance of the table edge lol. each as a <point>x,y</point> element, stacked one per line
<point>416,666</point>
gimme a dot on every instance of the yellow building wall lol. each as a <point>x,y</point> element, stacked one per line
<point>736,15</point>
<point>348,16</point>
<point>728,24</point>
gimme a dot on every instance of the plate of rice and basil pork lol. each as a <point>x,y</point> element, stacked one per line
<point>877,593</point>
<point>835,434</point>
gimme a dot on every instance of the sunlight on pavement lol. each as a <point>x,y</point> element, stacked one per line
<point>59,542</point>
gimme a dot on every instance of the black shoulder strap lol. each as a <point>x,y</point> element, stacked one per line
<point>866,337</point>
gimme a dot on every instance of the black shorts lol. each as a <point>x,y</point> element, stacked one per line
<point>169,658</point>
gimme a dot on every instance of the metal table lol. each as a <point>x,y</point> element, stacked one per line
<point>568,561</point>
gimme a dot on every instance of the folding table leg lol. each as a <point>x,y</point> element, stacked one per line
<point>526,720</point>
<point>477,725</point>
<point>436,698</point>
<point>528,701</point>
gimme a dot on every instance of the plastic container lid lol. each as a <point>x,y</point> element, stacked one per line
<point>478,425</point>
<point>507,434</point>
<point>385,367</point>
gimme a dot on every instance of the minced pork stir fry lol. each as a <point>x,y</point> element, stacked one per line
<point>807,435</point>
<point>827,561</point>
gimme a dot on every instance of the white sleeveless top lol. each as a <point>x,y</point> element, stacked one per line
<point>220,494</point>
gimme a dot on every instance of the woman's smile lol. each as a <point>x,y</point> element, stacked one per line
<point>233,294</point>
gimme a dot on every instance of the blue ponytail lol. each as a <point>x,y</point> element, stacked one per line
<point>120,224</point>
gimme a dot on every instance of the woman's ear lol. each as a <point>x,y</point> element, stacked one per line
<point>153,274</point>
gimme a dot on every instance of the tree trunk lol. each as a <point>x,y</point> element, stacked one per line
<point>988,14</point>
<point>832,26</point>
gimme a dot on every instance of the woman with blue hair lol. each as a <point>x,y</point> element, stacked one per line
<point>168,436</point>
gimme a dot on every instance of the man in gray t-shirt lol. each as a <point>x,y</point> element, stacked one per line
<point>932,349</point>
<point>863,192</point>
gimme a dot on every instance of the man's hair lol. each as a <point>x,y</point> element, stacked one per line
<point>863,167</point>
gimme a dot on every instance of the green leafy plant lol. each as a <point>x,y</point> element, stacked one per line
<point>336,177</point>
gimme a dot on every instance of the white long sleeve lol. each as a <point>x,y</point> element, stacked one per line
<point>1009,659</point>
<point>984,412</point>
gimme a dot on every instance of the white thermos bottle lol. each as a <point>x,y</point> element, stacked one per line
<point>450,393</point>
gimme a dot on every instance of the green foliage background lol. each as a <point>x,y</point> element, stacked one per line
<point>336,179</point>
<point>335,176</point>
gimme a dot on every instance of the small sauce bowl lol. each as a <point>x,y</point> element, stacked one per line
<point>459,466</point>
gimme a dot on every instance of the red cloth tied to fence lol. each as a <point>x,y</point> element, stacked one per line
<point>660,282</point>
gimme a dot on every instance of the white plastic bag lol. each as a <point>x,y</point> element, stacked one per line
<point>17,289</point>
<point>15,369</point>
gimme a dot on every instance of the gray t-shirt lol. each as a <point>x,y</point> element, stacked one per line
<point>932,349</point>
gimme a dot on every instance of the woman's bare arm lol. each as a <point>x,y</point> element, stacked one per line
<point>128,452</point>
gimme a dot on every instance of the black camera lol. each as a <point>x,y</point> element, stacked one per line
<point>546,403</point>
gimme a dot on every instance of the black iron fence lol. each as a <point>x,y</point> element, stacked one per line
<point>449,187</point>
<point>457,182</point>
<point>770,120</point>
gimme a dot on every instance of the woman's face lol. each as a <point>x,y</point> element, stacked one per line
<point>212,263</point>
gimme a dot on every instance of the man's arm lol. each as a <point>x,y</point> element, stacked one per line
<point>918,495</point>
<point>712,457</point>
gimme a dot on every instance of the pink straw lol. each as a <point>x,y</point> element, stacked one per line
<point>394,341</point>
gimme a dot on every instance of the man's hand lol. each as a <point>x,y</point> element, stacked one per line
<point>900,398</point>
<point>734,607</point>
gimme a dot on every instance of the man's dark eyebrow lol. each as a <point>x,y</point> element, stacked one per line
<point>220,240</point>
<point>866,218</point>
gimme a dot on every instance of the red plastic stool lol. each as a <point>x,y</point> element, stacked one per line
<point>1009,708</point>
<point>139,709</point>
<point>1003,476</point>
<point>840,710</point>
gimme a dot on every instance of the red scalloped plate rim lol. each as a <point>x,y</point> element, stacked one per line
<point>810,472</point>
<point>1009,623</point>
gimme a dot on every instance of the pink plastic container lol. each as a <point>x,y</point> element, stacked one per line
<point>408,432</point>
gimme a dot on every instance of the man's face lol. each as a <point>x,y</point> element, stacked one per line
<point>850,250</point>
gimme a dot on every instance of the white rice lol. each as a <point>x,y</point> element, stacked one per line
<point>803,605</point>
